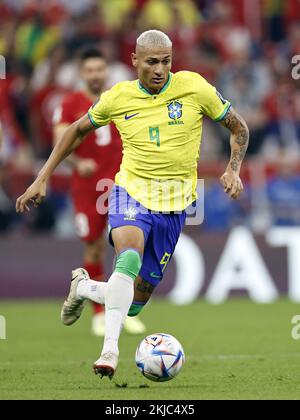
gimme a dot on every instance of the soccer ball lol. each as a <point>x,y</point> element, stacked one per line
<point>160,357</point>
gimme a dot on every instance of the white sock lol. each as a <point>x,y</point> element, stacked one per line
<point>92,290</point>
<point>118,299</point>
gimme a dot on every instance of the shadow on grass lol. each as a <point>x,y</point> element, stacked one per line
<point>155,387</point>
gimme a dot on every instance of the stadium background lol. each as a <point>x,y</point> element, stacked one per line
<point>243,47</point>
<point>237,350</point>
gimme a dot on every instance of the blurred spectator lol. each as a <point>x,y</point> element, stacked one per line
<point>127,35</point>
<point>14,140</point>
<point>283,130</point>
<point>221,213</point>
<point>246,83</point>
<point>6,210</point>
<point>160,14</point>
<point>114,11</point>
<point>78,7</point>
<point>34,39</point>
<point>293,38</point>
<point>1,138</point>
<point>118,71</point>
<point>42,106</point>
<point>284,193</point>
<point>7,213</point>
<point>274,14</point>
<point>54,69</point>
<point>225,30</point>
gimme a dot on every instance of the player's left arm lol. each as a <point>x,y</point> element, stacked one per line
<point>239,142</point>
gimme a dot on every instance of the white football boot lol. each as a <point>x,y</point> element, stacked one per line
<point>106,365</point>
<point>73,306</point>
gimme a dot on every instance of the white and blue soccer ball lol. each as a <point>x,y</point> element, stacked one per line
<point>160,357</point>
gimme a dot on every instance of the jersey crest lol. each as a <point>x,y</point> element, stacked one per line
<point>175,110</point>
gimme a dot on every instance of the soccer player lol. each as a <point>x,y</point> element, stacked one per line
<point>98,158</point>
<point>159,117</point>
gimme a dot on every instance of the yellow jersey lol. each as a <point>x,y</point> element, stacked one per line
<point>161,136</point>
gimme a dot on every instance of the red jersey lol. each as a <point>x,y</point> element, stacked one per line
<point>42,106</point>
<point>103,145</point>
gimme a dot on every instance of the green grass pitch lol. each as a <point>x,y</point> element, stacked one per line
<point>238,350</point>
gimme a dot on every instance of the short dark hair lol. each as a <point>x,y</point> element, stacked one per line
<point>91,52</point>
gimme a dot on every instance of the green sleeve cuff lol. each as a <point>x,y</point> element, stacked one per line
<point>222,116</point>
<point>93,121</point>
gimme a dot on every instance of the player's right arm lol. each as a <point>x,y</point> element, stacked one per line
<point>58,132</point>
<point>98,116</point>
<point>85,167</point>
<point>70,140</point>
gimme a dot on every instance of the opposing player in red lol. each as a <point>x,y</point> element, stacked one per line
<point>97,158</point>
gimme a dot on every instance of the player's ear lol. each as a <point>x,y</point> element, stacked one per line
<point>134,59</point>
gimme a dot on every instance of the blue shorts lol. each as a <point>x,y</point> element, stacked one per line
<point>161,231</point>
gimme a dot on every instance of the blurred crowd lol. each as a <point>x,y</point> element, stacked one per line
<point>244,47</point>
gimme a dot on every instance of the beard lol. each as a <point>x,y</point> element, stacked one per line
<point>95,87</point>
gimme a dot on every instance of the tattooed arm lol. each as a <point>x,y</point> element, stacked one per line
<point>239,142</point>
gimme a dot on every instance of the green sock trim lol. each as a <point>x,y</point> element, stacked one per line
<point>135,310</point>
<point>129,263</point>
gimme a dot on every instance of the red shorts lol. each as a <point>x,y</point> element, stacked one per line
<point>90,225</point>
